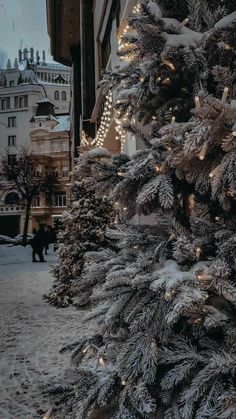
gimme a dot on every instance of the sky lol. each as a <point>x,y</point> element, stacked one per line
<point>23,23</point>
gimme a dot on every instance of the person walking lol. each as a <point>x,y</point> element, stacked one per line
<point>38,244</point>
<point>47,238</point>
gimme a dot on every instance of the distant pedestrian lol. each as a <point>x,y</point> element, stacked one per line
<point>38,244</point>
<point>46,239</point>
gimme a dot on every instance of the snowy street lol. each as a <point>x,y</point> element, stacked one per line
<point>32,332</point>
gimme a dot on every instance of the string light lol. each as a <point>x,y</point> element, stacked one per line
<point>169,64</point>
<point>184,22</point>
<point>203,277</point>
<point>107,115</point>
<point>213,172</point>
<point>123,382</point>
<point>168,295</point>
<point>48,414</point>
<point>173,119</point>
<point>225,94</point>
<point>158,168</point>
<point>191,201</point>
<point>198,252</point>
<point>105,120</point>
<point>203,152</point>
<point>167,81</point>
<point>197,102</point>
<point>101,362</point>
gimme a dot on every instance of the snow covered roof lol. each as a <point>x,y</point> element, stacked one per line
<point>45,100</point>
<point>27,76</point>
<point>63,123</point>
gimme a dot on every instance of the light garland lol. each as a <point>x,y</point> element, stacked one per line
<point>198,253</point>
<point>105,121</point>
<point>108,115</point>
<point>225,94</point>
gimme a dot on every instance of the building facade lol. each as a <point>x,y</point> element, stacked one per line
<point>21,89</point>
<point>50,144</point>
<point>89,43</point>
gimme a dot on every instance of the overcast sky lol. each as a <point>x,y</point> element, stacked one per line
<point>23,24</point>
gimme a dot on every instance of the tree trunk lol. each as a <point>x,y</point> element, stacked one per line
<point>27,216</point>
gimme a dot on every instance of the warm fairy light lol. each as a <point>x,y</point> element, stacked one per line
<point>125,208</point>
<point>173,119</point>
<point>227,46</point>
<point>123,382</point>
<point>213,172</point>
<point>105,121</point>
<point>107,115</point>
<point>184,22</point>
<point>101,362</point>
<point>197,102</point>
<point>85,349</point>
<point>141,79</point>
<point>198,252</point>
<point>158,168</point>
<point>166,81</point>
<point>191,201</point>
<point>48,414</point>
<point>217,218</point>
<point>234,133</point>
<point>225,94</point>
<point>168,295</point>
<point>169,64</point>
<point>203,277</point>
<point>203,152</point>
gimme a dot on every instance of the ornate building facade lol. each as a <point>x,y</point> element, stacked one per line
<point>21,89</point>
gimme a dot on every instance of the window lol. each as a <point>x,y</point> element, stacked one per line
<point>56,95</point>
<point>21,101</point>
<point>11,159</point>
<point>64,171</point>
<point>12,199</point>
<point>12,82</point>
<point>63,95</point>
<point>41,147</point>
<point>12,121</point>
<point>11,140</point>
<point>5,103</point>
<point>36,201</point>
<point>54,171</point>
<point>65,145</point>
<point>60,199</point>
<point>56,146</point>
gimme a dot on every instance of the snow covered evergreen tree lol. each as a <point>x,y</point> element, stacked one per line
<point>84,223</point>
<point>165,297</point>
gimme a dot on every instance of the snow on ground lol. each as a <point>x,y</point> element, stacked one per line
<point>32,332</point>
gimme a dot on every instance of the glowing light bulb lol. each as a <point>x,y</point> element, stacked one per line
<point>225,94</point>
<point>197,102</point>
<point>198,252</point>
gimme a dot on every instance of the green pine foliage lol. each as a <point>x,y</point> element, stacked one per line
<point>85,224</point>
<point>164,295</point>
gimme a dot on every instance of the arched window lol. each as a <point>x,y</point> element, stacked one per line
<point>12,199</point>
<point>56,95</point>
<point>63,95</point>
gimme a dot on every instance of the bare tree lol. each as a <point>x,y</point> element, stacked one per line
<point>22,171</point>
